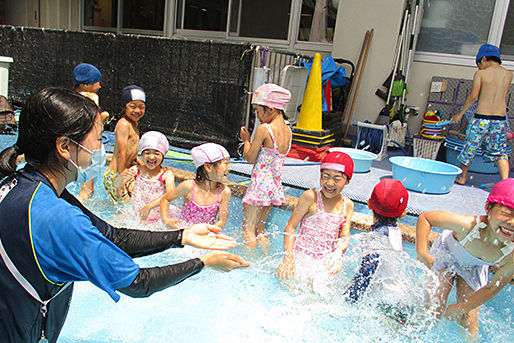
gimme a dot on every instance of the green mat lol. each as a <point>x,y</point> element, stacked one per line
<point>181,156</point>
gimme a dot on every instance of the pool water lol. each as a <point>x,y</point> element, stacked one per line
<point>250,305</point>
<point>253,305</point>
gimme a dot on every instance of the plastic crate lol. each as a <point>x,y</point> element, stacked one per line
<point>426,148</point>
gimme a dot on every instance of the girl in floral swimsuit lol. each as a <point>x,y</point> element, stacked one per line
<point>267,151</point>
<point>152,180</point>
<point>206,198</point>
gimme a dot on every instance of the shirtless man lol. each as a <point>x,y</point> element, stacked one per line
<point>126,144</point>
<point>489,126</point>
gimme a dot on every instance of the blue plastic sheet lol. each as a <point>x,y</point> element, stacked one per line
<point>329,70</point>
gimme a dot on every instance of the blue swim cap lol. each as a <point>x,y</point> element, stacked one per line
<point>488,50</point>
<point>87,74</point>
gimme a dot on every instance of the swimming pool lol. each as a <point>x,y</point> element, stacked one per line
<point>250,305</point>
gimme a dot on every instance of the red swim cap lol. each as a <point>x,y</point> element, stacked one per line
<point>339,161</point>
<point>389,198</point>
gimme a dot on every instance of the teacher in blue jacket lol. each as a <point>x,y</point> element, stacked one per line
<point>48,239</point>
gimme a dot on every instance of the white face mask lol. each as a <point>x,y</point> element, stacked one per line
<point>96,167</point>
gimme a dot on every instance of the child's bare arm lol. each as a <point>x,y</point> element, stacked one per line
<point>500,279</point>
<point>181,190</point>
<point>223,210</point>
<point>169,181</point>
<point>122,140</point>
<point>458,223</point>
<point>335,262</point>
<point>342,244</point>
<point>302,209</point>
<point>470,100</point>
<point>251,149</point>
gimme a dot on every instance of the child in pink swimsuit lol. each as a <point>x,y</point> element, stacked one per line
<point>152,180</point>
<point>267,151</point>
<point>206,198</point>
<point>324,217</point>
<point>466,249</point>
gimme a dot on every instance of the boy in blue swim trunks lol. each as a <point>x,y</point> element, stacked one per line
<point>489,126</point>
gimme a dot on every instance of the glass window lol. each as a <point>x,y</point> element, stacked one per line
<point>260,19</point>
<point>455,26</point>
<point>143,14</point>
<point>208,15</point>
<point>507,42</point>
<point>318,20</point>
<point>101,13</point>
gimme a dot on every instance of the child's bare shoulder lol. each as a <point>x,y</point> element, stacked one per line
<point>226,191</point>
<point>309,196</point>
<point>122,126</point>
<point>349,203</point>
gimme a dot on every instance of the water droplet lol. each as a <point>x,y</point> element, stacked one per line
<point>419,185</point>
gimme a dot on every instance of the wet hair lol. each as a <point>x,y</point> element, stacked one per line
<point>493,58</point>
<point>276,109</point>
<point>383,219</point>
<point>47,115</point>
<point>201,173</point>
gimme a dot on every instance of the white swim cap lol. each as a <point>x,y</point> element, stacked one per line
<point>208,153</point>
<point>154,140</point>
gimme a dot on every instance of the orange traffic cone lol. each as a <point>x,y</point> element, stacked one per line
<point>310,113</point>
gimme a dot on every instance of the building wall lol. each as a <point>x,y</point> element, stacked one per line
<point>419,84</point>
<point>353,19</point>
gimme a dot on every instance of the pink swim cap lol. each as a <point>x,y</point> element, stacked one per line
<point>208,153</point>
<point>154,140</point>
<point>271,95</point>
<point>503,193</point>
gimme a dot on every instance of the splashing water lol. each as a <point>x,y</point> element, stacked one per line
<point>252,304</point>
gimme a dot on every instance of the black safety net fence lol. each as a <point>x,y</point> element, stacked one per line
<point>196,90</point>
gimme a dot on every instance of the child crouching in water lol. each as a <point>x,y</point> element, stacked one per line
<point>388,202</point>
<point>465,250</point>
<point>152,180</point>
<point>324,216</point>
<point>205,198</point>
<point>267,151</point>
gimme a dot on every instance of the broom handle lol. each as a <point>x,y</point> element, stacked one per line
<point>361,71</point>
<point>357,70</point>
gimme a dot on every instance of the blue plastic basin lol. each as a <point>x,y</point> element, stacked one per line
<point>478,165</point>
<point>361,159</point>
<point>423,175</point>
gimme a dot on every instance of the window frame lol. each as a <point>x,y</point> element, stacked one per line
<point>170,30</point>
<point>498,19</point>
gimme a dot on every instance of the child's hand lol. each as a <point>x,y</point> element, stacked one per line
<point>456,118</point>
<point>287,268</point>
<point>223,261</point>
<point>171,223</point>
<point>144,213</point>
<point>454,312</point>
<point>244,133</point>
<point>128,174</point>
<point>335,262</point>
